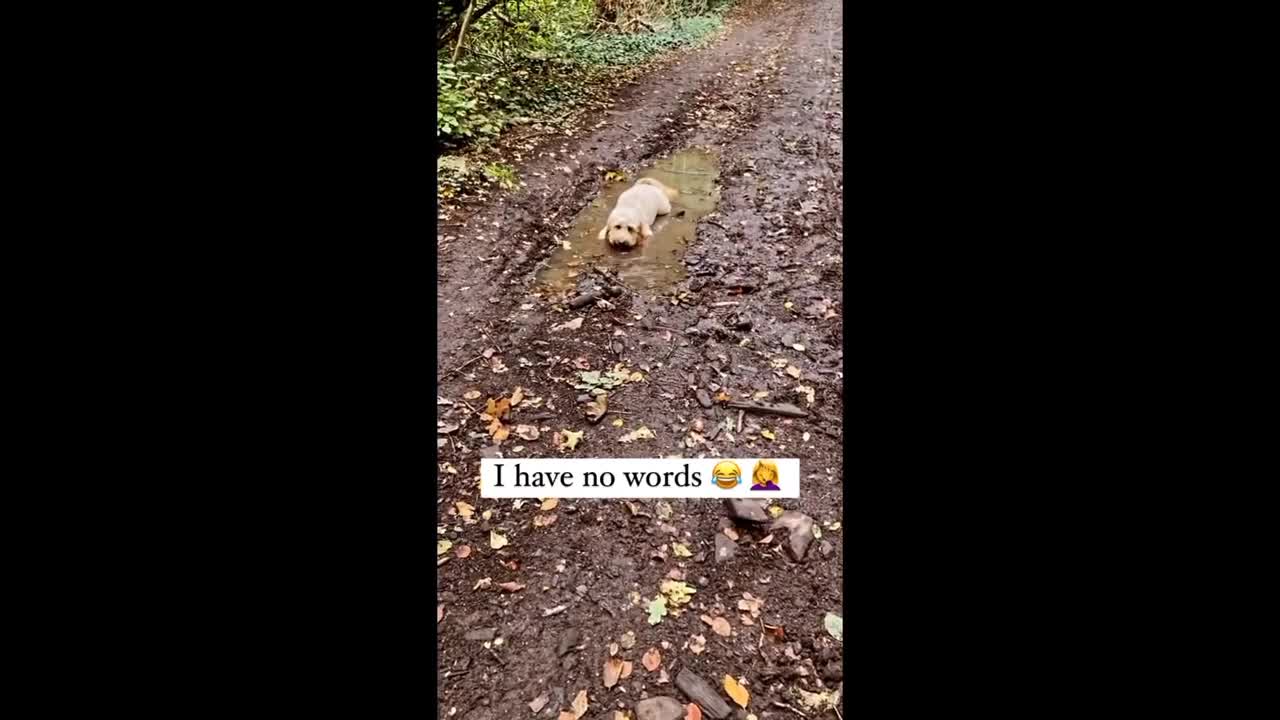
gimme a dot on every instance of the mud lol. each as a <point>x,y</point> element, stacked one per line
<point>658,264</point>
<point>752,308</point>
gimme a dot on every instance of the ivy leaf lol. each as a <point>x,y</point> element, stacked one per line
<point>657,610</point>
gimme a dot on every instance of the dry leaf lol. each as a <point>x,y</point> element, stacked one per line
<point>539,703</point>
<point>642,433</point>
<point>597,408</point>
<point>571,439</point>
<point>731,533</point>
<point>544,520</point>
<point>439,613</point>
<point>464,509</point>
<point>793,371</point>
<point>573,324</point>
<point>612,669</point>
<point>736,691</point>
<point>511,586</point>
<point>613,649</point>
<point>516,397</point>
<point>566,716</point>
<point>680,550</point>
<point>580,704</point>
<point>697,644</point>
<point>550,503</point>
<point>463,551</point>
<point>652,659</point>
<point>442,547</point>
<point>628,640</point>
<point>617,422</point>
<point>769,434</point>
<point>471,395</point>
<point>527,432</point>
<point>692,712</point>
<point>719,625</point>
<point>497,541</point>
<point>626,669</point>
<point>502,433</point>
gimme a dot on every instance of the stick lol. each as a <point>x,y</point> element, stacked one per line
<point>739,422</point>
<point>785,409</point>
<point>788,707</point>
<point>466,18</point>
<point>461,366</point>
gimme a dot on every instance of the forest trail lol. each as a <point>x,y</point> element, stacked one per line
<point>741,300</point>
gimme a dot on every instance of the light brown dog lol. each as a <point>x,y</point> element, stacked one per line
<point>632,218</point>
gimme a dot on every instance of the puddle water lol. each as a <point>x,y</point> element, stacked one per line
<point>659,262</point>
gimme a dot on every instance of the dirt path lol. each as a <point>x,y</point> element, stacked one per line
<point>758,311</point>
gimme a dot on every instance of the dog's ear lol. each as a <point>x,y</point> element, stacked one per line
<point>603,231</point>
<point>645,231</point>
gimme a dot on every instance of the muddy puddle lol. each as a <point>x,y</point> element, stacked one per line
<point>659,262</point>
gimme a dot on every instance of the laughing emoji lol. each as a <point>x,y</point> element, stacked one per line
<point>727,474</point>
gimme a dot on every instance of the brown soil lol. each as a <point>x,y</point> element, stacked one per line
<point>766,98</point>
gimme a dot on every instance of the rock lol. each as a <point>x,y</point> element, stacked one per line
<point>800,527</point>
<point>725,548</point>
<point>568,641</point>
<point>825,548</point>
<point>482,634</point>
<point>747,510</point>
<point>704,399</point>
<point>703,693</point>
<point>659,708</point>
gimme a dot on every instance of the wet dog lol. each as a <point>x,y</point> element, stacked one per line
<point>632,218</point>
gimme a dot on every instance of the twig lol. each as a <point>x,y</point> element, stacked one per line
<point>462,366</point>
<point>784,409</point>
<point>837,712</point>
<point>740,413</point>
<point>788,707</point>
<point>462,31</point>
<point>495,656</point>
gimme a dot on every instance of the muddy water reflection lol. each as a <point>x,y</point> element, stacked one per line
<point>659,262</point>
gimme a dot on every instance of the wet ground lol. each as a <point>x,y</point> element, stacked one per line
<point>740,304</point>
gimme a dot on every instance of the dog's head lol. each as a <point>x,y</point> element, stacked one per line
<point>625,231</point>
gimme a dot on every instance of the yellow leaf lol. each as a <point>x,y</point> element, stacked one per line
<point>769,434</point>
<point>497,541</point>
<point>464,509</point>
<point>580,704</point>
<point>571,438</point>
<point>617,422</point>
<point>736,691</point>
<point>442,547</point>
<point>681,550</point>
<point>550,503</point>
<point>775,510</point>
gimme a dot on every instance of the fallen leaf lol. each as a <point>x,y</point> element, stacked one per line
<point>617,422</point>
<point>464,509</point>
<point>613,649</point>
<point>544,520</point>
<point>539,703</point>
<point>612,669</point>
<point>597,408</point>
<point>731,533</point>
<point>497,541</point>
<point>806,392</point>
<point>482,584</point>
<point>736,691</point>
<point>692,712</point>
<point>697,644</point>
<point>652,659</point>
<point>799,347</point>
<point>835,526</point>
<point>816,702</point>
<point>793,371</point>
<point>580,704</point>
<point>571,439</point>
<point>471,395</point>
<point>775,510</point>
<point>766,539</point>
<point>463,551</point>
<point>680,550</point>
<point>723,396</point>
<point>566,716</point>
<point>627,667</point>
<point>486,514</point>
<point>657,610</point>
<point>769,434</point>
<point>442,547</point>
<point>511,586</point>
<point>488,352</point>
<point>550,503</point>
<point>776,631</point>
<point>527,432</point>
<point>719,625</point>
<point>750,603</point>
<point>678,592</point>
<point>835,626</point>
<point>628,640</point>
<point>502,433</point>
<point>573,324</point>
<point>439,613</point>
<point>517,396</point>
<point>642,433</point>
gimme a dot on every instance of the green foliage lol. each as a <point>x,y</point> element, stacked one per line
<point>525,61</point>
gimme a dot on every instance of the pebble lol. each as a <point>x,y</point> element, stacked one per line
<point>482,634</point>
<point>800,527</point>
<point>704,398</point>
<point>568,641</point>
<point>725,548</point>
<point>659,708</point>
<point>747,510</point>
<point>825,548</point>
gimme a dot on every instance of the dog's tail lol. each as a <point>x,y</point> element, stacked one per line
<point>670,191</point>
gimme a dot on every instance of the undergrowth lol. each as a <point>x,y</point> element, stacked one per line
<point>537,60</point>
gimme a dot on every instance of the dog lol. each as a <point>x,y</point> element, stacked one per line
<point>631,220</point>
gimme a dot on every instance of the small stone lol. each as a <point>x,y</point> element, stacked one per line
<point>482,634</point>
<point>800,527</point>
<point>568,641</point>
<point>584,398</point>
<point>825,548</point>
<point>703,693</point>
<point>725,548</point>
<point>747,510</point>
<point>703,398</point>
<point>659,708</point>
